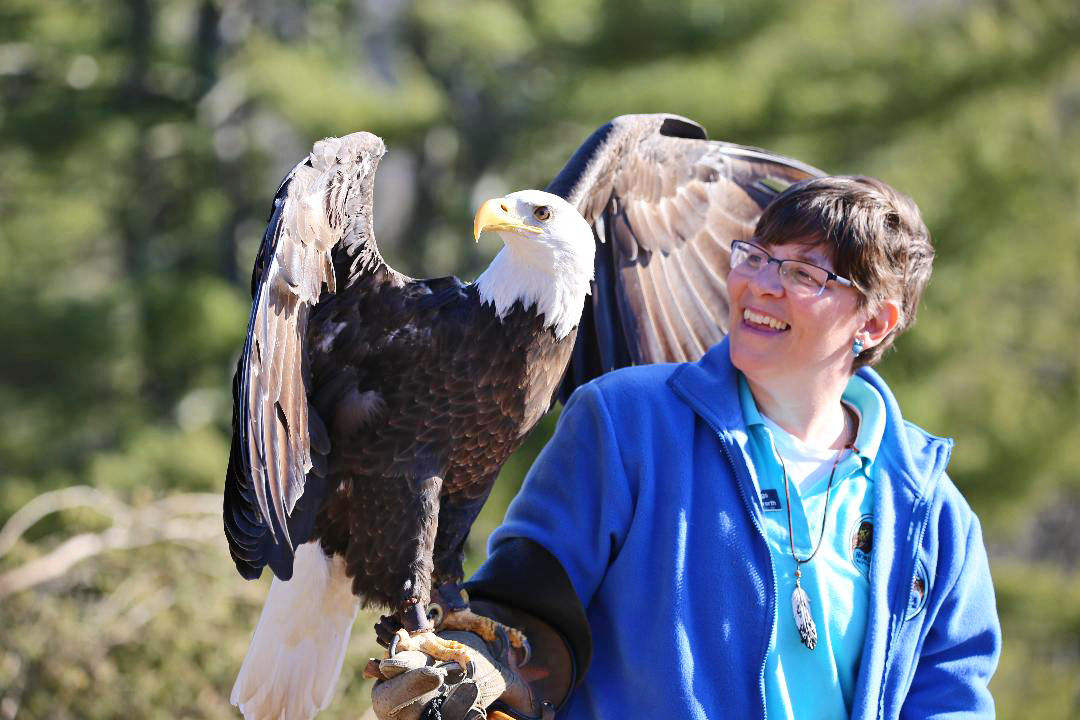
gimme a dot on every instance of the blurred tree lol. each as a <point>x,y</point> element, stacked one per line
<point>142,141</point>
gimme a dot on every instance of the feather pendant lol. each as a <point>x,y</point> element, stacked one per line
<point>804,621</point>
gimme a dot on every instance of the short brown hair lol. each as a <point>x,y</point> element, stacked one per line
<point>874,235</point>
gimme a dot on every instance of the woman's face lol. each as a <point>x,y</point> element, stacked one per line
<point>778,335</point>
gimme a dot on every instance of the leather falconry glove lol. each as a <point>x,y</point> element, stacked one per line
<point>503,682</point>
<point>413,686</point>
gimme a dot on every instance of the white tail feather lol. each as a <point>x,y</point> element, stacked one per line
<point>295,657</point>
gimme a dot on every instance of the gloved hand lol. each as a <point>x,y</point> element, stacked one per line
<point>413,686</point>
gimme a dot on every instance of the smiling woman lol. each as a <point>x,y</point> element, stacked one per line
<point>794,331</point>
<point>775,472</point>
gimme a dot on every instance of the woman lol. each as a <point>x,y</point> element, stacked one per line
<point>760,532</point>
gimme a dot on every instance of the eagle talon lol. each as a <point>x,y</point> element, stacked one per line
<point>395,641</point>
<point>526,651</point>
<point>508,646</point>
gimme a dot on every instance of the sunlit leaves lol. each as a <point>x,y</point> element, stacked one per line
<point>138,163</point>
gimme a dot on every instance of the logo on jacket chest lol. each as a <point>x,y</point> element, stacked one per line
<point>919,586</point>
<point>862,544</point>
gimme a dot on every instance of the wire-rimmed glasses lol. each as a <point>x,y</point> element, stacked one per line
<point>797,276</point>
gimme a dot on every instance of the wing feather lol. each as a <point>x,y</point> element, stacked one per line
<point>701,326</point>
<point>318,239</point>
<point>669,202</point>
<point>664,313</point>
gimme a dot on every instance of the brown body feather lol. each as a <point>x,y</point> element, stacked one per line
<point>430,394</point>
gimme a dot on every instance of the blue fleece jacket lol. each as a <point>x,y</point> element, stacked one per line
<point>645,496</point>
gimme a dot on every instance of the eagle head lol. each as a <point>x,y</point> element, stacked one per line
<point>546,261</point>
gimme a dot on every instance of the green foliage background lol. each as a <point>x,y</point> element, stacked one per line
<point>141,142</point>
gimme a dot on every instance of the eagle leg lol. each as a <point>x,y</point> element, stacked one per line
<point>414,617</point>
<point>409,627</point>
<point>413,549</point>
<point>450,611</point>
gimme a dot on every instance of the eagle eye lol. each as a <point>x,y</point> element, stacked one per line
<point>542,213</point>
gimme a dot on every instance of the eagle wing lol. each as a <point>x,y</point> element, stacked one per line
<point>319,239</point>
<point>665,203</point>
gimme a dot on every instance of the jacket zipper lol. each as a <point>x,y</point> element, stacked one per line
<point>772,569</point>
<point>920,519</point>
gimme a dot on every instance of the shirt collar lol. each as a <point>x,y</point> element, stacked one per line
<point>870,407</point>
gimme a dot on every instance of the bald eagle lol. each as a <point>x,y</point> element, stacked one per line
<point>372,411</point>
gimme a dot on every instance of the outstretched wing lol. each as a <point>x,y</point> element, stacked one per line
<point>665,203</point>
<point>319,239</point>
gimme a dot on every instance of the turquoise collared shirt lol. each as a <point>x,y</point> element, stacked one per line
<point>818,683</point>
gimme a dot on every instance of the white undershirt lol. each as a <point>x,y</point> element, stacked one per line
<point>805,464</point>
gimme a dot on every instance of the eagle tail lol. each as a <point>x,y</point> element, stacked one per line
<point>296,654</point>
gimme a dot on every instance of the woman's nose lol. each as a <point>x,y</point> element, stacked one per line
<point>766,281</point>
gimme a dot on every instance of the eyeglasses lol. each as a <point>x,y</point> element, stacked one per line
<point>798,277</point>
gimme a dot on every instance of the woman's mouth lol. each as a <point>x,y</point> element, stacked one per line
<point>761,320</point>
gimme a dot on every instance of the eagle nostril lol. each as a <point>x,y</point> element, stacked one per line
<point>502,206</point>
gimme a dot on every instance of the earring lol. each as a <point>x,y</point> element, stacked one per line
<point>856,347</point>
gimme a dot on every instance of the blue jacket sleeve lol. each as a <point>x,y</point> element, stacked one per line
<point>962,646</point>
<point>576,501</point>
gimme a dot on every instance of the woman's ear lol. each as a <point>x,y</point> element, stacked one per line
<point>879,324</point>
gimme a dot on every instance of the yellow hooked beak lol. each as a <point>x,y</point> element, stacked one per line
<point>495,215</point>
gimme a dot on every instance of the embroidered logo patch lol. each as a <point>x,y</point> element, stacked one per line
<point>770,500</point>
<point>862,544</point>
<point>919,588</point>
